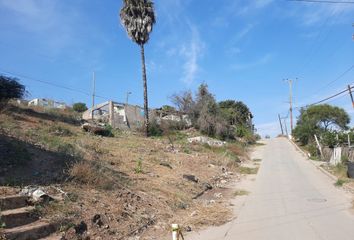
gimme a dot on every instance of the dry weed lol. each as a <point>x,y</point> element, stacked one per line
<point>87,173</point>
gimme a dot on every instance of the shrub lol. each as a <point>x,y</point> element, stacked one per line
<point>312,149</point>
<point>329,139</point>
<point>79,107</point>
<point>91,174</point>
<point>10,88</point>
<point>139,166</point>
<point>155,129</point>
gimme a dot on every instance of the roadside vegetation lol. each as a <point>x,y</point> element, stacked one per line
<point>329,124</point>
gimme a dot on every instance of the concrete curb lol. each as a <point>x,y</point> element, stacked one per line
<point>328,174</point>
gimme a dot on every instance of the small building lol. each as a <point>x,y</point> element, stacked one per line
<point>172,115</point>
<point>118,115</point>
<point>48,103</point>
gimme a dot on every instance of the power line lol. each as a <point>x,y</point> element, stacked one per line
<point>336,79</point>
<point>51,84</point>
<point>328,98</point>
<point>339,77</point>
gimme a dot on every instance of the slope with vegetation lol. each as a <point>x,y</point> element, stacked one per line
<point>330,125</point>
<point>119,186</point>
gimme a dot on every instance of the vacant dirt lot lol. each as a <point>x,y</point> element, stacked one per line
<point>122,186</point>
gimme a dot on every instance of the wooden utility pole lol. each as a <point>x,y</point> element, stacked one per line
<point>93,92</point>
<point>291,103</point>
<point>281,125</point>
<point>286,128</point>
<point>351,94</point>
<point>111,114</point>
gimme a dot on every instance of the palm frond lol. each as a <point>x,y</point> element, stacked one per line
<point>138,18</point>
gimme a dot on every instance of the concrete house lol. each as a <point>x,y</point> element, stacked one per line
<point>118,115</point>
<point>42,102</point>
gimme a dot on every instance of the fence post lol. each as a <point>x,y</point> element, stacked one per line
<point>348,140</point>
<point>175,232</point>
<point>318,145</point>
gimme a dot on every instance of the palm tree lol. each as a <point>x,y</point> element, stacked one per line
<point>138,18</point>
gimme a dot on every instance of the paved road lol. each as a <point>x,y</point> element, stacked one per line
<point>290,199</point>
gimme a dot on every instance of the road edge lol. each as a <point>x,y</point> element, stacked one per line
<point>328,174</point>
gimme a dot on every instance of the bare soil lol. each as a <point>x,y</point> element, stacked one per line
<point>120,187</point>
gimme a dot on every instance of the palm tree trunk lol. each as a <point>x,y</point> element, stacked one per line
<point>146,108</point>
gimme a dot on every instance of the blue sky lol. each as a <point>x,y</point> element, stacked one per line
<point>242,49</point>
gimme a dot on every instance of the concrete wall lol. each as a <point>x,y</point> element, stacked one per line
<point>129,116</point>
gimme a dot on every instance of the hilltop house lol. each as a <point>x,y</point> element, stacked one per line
<point>47,103</point>
<point>118,115</point>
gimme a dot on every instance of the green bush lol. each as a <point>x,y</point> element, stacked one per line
<point>155,129</point>
<point>79,107</point>
<point>312,149</point>
<point>10,88</point>
<point>329,139</point>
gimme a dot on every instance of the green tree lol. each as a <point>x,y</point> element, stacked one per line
<point>236,112</point>
<point>319,119</point>
<point>10,88</point>
<point>138,18</point>
<point>79,107</point>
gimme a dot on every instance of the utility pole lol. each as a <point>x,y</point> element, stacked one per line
<point>291,103</point>
<point>127,97</point>
<point>93,92</point>
<point>351,94</point>
<point>281,125</point>
<point>286,128</point>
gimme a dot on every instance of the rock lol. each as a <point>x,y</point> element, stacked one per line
<point>193,213</point>
<point>165,164</point>
<point>81,228</point>
<point>218,195</point>
<point>188,229</point>
<point>191,178</point>
<point>207,186</point>
<point>95,129</point>
<point>206,140</point>
<point>97,220</point>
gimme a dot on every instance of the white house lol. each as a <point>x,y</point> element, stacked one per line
<point>47,103</point>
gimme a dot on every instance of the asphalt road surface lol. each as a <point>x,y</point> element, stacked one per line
<point>290,199</point>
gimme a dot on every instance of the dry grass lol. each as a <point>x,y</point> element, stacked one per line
<point>248,170</point>
<point>238,150</point>
<point>108,165</point>
<point>90,174</point>
<point>241,193</point>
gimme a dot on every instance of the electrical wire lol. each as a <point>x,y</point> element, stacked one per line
<point>52,84</point>
<point>335,80</point>
<point>328,98</point>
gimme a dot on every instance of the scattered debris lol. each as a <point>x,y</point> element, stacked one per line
<point>207,186</point>
<point>218,195</point>
<point>188,229</point>
<point>80,228</point>
<point>191,178</point>
<point>207,140</point>
<point>97,220</point>
<point>36,194</point>
<point>94,128</point>
<point>165,164</point>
